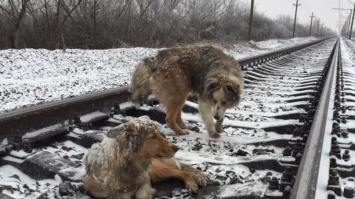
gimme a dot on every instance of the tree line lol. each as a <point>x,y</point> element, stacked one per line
<point>100,24</point>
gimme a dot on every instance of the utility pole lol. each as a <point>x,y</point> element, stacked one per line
<point>294,23</point>
<point>341,28</point>
<point>318,27</point>
<point>310,27</point>
<point>347,26</point>
<point>352,21</point>
<point>345,29</point>
<point>349,23</point>
<point>251,19</point>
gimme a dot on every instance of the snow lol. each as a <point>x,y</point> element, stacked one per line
<point>26,186</point>
<point>13,159</point>
<point>42,131</point>
<point>91,116</point>
<point>39,76</point>
<point>276,111</point>
<point>279,43</point>
<point>20,154</point>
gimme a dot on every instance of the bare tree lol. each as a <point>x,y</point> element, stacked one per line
<point>16,12</point>
<point>115,23</point>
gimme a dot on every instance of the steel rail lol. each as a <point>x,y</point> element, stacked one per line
<point>248,62</point>
<point>32,118</point>
<point>307,175</point>
<point>28,119</point>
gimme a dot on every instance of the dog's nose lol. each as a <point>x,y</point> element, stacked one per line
<point>216,117</point>
<point>175,148</point>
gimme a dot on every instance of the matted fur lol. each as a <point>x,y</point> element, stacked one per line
<point>118,166</point>
<point>174,73</point>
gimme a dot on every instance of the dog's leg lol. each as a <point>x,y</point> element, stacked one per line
<point>219,125</point>
<point>127,195</point>
<point>182,124</point>
<point>172,112</point>
<point>145,191</point>
<point>199,177</point>
<point>161,172</point>
<point>189,181</point>
<point>207,116</point>
<point>220,112</point>
<point>170,168</point>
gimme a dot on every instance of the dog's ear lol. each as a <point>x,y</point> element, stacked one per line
<point>112,133</point>
<point>134,126</point>
<point>130,135</point>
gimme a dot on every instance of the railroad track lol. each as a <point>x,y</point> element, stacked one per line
<point>291,136</point>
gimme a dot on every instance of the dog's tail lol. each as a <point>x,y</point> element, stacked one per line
<point>140,86</point>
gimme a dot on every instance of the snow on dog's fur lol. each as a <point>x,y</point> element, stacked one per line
<point>118,166</point>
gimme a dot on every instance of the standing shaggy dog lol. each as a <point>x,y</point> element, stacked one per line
<point>174,73</point>
<point>118,166</point>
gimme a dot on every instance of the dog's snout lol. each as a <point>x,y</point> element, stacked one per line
<point>175,148</point>
<point>216,117</point>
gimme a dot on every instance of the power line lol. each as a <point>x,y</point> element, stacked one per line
<point>348,24</point>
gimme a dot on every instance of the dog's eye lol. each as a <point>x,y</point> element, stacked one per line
<point>223,103</point>
<point>230,89</point>
<point>213,86</point>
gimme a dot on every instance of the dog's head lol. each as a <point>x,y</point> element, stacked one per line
<point>223,92</point>
<point>141,138</point>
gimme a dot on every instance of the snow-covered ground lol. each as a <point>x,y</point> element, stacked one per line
<point>35,76</point>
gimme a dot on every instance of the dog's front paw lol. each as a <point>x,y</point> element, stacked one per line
<point>200,179</point>
<point>214,134</point>
<point>191,186</point>
<point>192,127</point>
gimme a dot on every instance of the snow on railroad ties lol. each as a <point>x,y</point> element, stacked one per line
<point>29,77</point>
<point>25,187</point>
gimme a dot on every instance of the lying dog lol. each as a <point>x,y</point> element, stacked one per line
<point>174,73</point>
<point>118,166</point>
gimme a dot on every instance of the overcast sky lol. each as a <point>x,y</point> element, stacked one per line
<point>322,9</point>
